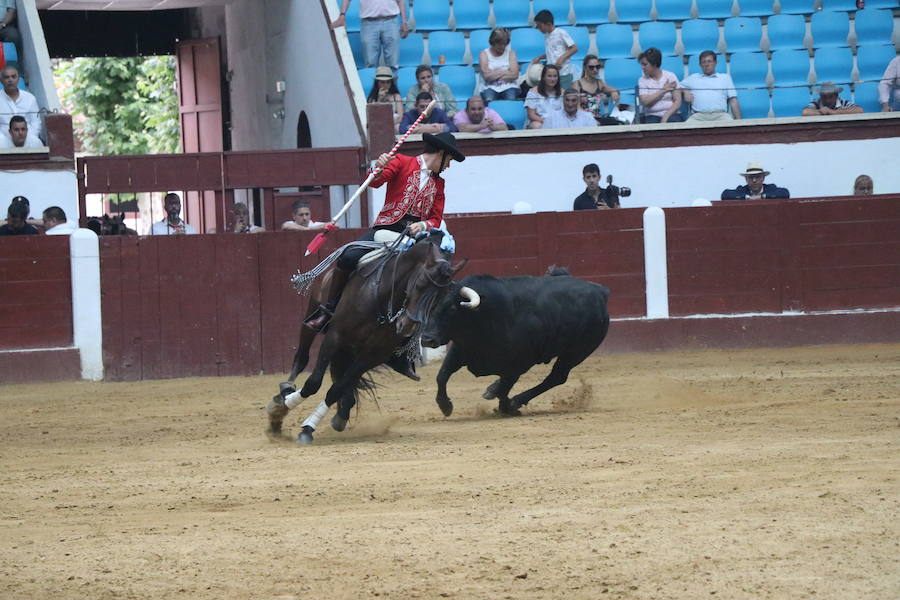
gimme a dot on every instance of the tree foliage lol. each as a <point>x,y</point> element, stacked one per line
<point>121,105</point>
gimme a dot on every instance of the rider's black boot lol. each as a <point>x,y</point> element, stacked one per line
<point>322,316</point>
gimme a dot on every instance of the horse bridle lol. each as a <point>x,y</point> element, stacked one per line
<point>394,253</point>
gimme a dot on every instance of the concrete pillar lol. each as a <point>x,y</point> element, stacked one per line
<point>87,321</point>
<point>655,263</point>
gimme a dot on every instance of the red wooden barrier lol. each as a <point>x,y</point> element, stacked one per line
<point>35,292</point>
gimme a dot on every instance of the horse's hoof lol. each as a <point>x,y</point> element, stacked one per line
<point>509,408</point>
<point>446,408</point>
<point>305,437</point>
<point>338,423</point>
<point>489,393</point>
<point>285,388</point>
<point>277,410</point>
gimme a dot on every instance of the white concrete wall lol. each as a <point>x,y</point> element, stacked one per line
<point>666,176</point>
<point>43,189</point>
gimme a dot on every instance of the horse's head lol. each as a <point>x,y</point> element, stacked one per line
<point>430,277</point>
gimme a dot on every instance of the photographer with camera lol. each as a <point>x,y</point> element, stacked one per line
<point>595,196</point>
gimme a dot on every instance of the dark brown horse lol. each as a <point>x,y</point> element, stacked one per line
<point>381,311</point>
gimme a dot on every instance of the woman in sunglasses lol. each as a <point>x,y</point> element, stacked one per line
<point>595,92</point>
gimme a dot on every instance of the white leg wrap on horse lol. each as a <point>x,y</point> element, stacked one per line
<point>293,400</point>
<point>318,414</point>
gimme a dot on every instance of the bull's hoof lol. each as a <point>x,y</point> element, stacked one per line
<point>305,437</point>
<point>338,423</point>
<point>276,410</point>
<point>491,392</point>
<point>446,407</point>
<point>509,408</point>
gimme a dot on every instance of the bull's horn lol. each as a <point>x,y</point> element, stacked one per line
<point>471,296</point>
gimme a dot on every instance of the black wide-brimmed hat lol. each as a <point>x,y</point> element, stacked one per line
<point>444,141</point>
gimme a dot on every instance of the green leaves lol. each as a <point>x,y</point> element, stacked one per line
<point>121,105</point>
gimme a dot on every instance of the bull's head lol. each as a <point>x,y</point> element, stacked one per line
<point>458,301</point>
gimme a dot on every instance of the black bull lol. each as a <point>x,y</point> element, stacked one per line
<point>511,324</point>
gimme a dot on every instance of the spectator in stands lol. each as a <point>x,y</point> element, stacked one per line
<point>571,115</point>
<point>710,94</point>
<point>425,83</point>
<point>437,122</point>
<point>301,218</point>
<point>172,224</point>
<point>863,186</point>
<point>478,119</point>
<point>544,98</point>
<point>830,103</point>
<point>384,90</point>
<point>658,90</point>
<point>596,93</point>
<point>756,187</point>
<point>14,101</point>
<point>16,216</point>
<point>18,135</point>
<point>594,197</point>
<point>558,47</point>
<point>499,68</point>
<point>8,30</point>
<point>242,222</point>
<point>55,222</point>
<point>889,87</point>
<point>379,31</point>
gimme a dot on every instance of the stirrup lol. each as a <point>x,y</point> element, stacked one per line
<point>320,319</point>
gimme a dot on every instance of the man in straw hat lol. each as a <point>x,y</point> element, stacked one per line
<point>414,201</point>
<point>829,103</point>
<point>756,187</point>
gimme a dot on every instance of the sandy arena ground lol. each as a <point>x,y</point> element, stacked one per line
<point>744,474</point>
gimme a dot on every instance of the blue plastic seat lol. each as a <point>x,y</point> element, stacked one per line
<point>790,102</point>
<point>743,34</point>
<point>865,94</point>
<point>881,4</point>
<point>714,9</point>
<point>830,29</point>
<point>627,96</point>
<point>352,16</point>
<point>873,27</point>
<point>797,7</point>
<point>721,65</point>
<point>790,67</point>
<point>786,32</point>
<point>511,14</point>
<point>673,63</point>
<point>838,5</point>
<point>558,8</point>
<point>10,55</point>
<point>511,111</point>
<point>460,79</point>
<point>833,64</point>
<point>432,15</point>
<point>622,73</point>
<point>411,50</point>
<point>657,34</point>
<point>872,61</point>
<point>754,103</point>
<point>367,79</point>
<point>527,43</point>
<point>478,41</point>
<point>591,12</point>
<point>673,10</point>
<point>749,69</point>
<point>471,14</point>
<point>406,78</point>
<point>582,39</point>
<point>633,11</point>
<point>756,8</point>
<point>614,40</point>
<point>698,35</point>
<point>449,44</point>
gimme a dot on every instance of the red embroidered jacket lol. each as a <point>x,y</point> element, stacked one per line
<point>404,196</point>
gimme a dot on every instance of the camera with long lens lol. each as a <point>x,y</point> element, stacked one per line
<point>611,193</point>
